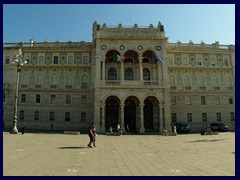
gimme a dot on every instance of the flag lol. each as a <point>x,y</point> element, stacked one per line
<point>156,58</point>
<point>117,58</point>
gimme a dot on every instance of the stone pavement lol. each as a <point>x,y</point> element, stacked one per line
<point>42,154</point>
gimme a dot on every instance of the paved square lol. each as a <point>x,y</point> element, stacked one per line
<point>41,154</point>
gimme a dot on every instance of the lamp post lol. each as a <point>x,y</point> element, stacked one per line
<point>18,61</point>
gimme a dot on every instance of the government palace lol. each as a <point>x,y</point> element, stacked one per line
<point>127,75</point>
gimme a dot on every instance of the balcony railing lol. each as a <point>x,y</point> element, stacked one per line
<point>131,83</point>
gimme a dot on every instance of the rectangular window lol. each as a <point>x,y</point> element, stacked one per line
<point>232,116</point>
<point>188,100</point>
<point>55,60</point>
<point>203,100</point>
<point>51,116</point>
<point>67,116</point>
<point>219,119</point>
<point>173,100</point>
<point>213,61</point>
<point>226,62</point>
<point>217,100</point>
<point>85,59</point>
<point>53,99</point>
<point>83,117</point>
<point>23,98</point>
<point>189,117</point>
<point>36,115</point>
<point>41,60</point>
<point>38,98</point>
<point>7,60</point>
<point>27,59</point>
<point>230,100</point>
<point>84,99</point>
<point>204,117</point>
<point>70,60</point>
<point>21,115</point>
<point>4,98</point>
<point>174,117</point>
<point>68,99</point>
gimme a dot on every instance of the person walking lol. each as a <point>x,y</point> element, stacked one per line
<point>23,129</point>
<point>95,135</point>
<point>91,135</point>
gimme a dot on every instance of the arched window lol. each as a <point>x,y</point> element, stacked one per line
<point>54,80</point>
<point>25,79</point>
<point>186,81</point>
<point>215,81</point>
<point>146,74</point>
<point>129,74</point>
<point>201,80</point>
<point>84,81</point>
<point>39,79</point>
<point>112,74</point>
<point>69,80</point>
<point>172,81</point>
<point>229,81</point>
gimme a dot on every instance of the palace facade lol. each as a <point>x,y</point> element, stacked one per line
<point>127,75</point>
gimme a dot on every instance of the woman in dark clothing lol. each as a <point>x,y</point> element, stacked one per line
<point>91,135</point>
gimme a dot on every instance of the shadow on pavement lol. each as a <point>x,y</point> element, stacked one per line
<point>206,140</point>
<point>77,147</point>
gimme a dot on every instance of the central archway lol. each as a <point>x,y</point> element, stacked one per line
<point>112,108</point>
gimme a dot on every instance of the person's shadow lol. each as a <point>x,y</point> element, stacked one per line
<point>73,147</point>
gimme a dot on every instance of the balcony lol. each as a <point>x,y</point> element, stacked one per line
<point>131,83</point>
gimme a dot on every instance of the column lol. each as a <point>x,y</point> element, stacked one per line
<point>140,68</point>
<point>122,116</point>
<point>103,118</point>
<point>142,129</point>
<point>103,69</point>
<point>122,71</point>
<point>160,119</point>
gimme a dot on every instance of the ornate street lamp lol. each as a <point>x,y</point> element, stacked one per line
<point>18,61</point>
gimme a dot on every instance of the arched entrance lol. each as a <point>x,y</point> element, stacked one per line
<point>112,106</point>
<point>130,111</point>
<point>151,114</point>
<point>148,114</point>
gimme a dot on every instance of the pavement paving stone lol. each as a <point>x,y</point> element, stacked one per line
<point>42,154</point>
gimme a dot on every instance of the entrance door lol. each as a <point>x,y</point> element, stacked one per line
<point>130,115</point>
<point>148,114</point>
<point>111,114</point>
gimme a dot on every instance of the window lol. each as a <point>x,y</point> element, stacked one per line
<point>40,59</point>
<point>85,59</point>
<point>204,117</point>
<point>68,99</point>
<point>7,60</point>
<point>112,74</point>
<point>189,117</point>
<point>53,99</point>
<point>36,115</point>
<point>232,118</point>
<point>38,98</point>
<point>4,98</point>
<point>230,100</point>
<point>173,100</point>
<point>188,100</point>
<point>146,74</point>
<point>217,100</point>
<point>203,100</point>
<point>83,117</point>
<point>84,82</point>
<point>129,74</point>
<point>27,59</point>
<point>70,59</point>
<point>67,116</point>
<point>51,116</point>
<point>23,98</point>
<point>218,117</point>
<point>174,117</point>
<point>84,99</point>
<point>55,60</point>
<point>226,62</point>
<point>21,115</point>
<point>213,61</point>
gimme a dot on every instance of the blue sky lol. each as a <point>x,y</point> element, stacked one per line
<point>183,22</point>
